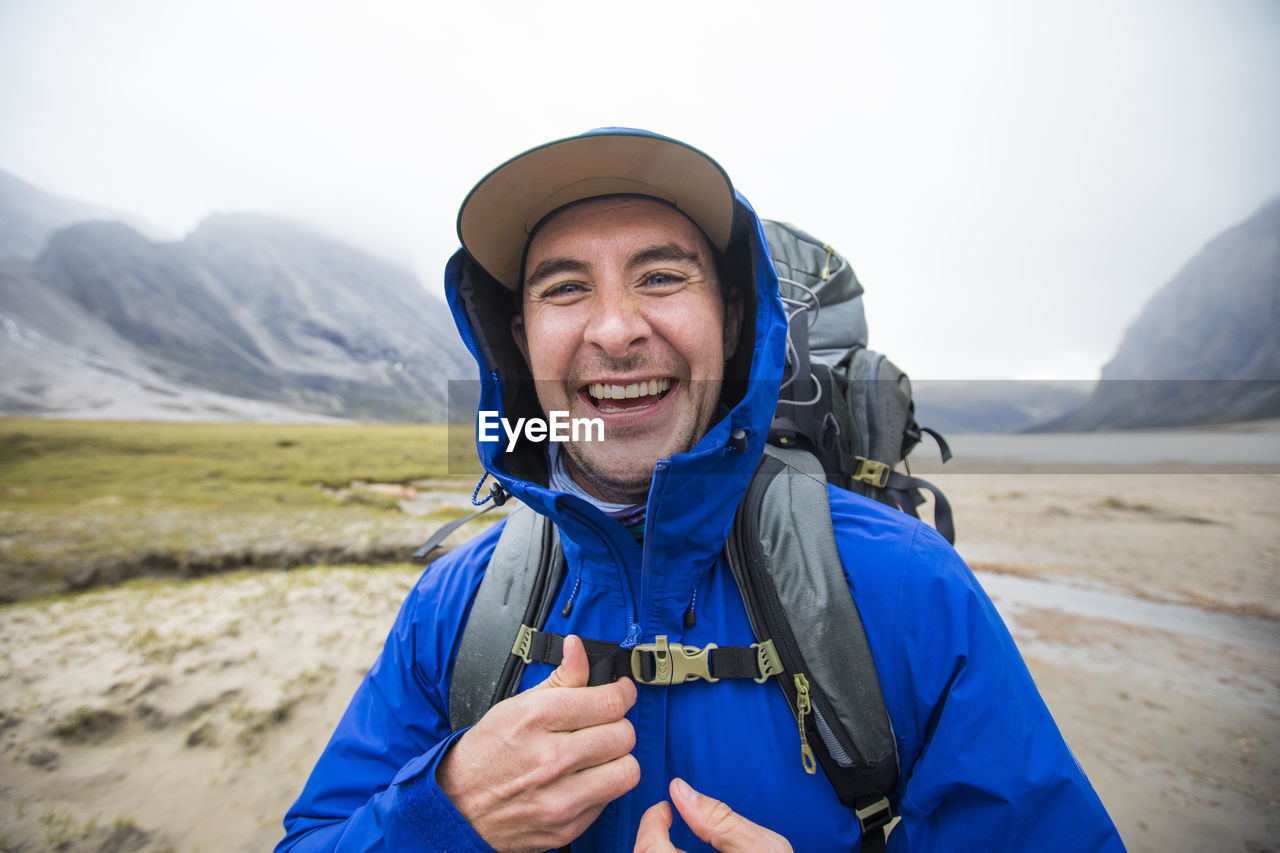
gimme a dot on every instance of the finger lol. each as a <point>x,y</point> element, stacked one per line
<point>573,670</point>
<point>654,835</point>
<point>595,745</point>
<point>600,785</point>
<point>567,710</point>
<point>720,826</point>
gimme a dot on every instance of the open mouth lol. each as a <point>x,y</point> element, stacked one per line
<point>627,398</point>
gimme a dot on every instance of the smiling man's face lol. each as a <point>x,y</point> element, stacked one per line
<point>623,320</point>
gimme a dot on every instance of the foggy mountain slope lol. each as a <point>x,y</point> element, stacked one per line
<point>28,215</point>
<point>58,358</point>
<point>54,350</point>
<point>247,308</point>
<point>314,304</point>
<point>1205,349</point>
<point>151,295</point>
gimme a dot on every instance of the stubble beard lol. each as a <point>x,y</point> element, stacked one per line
<point>602,478</point>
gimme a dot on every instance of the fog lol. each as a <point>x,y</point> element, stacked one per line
<point>1011,181</point>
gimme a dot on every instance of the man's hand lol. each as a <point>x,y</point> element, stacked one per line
<point>711,820</point>
<point>539,767</point>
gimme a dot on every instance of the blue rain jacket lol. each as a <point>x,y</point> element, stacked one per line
<point>983,764</point>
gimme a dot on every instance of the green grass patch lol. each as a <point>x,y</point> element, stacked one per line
<point>88,503</point>
<point>56,462</point>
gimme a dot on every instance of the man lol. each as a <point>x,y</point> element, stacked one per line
<point>618,275</point>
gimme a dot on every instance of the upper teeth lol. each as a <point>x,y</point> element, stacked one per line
<point>636,389</point>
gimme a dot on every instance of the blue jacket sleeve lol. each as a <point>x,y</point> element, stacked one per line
<point>374,786</point>
<point>983,764</point>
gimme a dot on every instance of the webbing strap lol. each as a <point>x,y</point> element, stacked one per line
<point>659,662</point>
<point>874,813</point>
<point>437,538</point>
<point>606,663</point>
<point>902,485</point>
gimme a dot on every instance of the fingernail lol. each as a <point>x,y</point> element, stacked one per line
<point>681,789</point>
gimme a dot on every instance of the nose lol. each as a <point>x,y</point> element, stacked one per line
<point>617,322</point>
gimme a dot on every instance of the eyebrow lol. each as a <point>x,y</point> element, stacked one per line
<point>666,252</point>
<point>553,266</point>
<point>661,253</point>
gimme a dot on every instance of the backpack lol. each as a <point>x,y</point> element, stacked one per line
<point>847,405</point>
<point>845,415</point>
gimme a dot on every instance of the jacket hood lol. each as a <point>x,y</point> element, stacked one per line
<point>694,494</point>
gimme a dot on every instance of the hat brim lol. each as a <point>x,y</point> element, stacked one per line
<point>500,213</point>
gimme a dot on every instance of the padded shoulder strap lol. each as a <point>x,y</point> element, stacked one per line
<point>786,552</point>
<point>516,589</point>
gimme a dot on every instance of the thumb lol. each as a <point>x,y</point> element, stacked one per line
<point>573,670</point>
<point>654,834</point>
<point>720,826</point>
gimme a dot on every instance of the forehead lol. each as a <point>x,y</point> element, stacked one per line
<point>593,228</point>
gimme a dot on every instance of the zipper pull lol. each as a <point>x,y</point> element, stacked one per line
<point>804,707</point>
<point>826,266</point>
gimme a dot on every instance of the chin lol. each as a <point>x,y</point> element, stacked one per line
<point>619,480</point>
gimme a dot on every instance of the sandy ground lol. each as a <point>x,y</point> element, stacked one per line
<point>185,716</point>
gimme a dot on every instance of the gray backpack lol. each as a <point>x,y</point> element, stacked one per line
<point>847,405</point>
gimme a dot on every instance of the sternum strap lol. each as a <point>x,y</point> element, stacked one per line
<point>659,662</point>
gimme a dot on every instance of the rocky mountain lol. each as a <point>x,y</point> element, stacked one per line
<point>248,316</point>
<point>29,215</point>
<point>1206,348</point>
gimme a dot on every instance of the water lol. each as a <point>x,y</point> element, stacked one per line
<point>1012,593</point>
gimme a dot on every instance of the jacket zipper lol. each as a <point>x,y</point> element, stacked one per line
<point>628,596</point>
<point>660,469</point>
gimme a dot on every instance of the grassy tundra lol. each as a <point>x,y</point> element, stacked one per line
<point>85,503</point>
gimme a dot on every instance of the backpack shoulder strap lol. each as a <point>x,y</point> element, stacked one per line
<point>517,589</point>
<point>783,553</point>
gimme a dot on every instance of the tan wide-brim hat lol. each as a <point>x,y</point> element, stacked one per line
<point>502,211</point>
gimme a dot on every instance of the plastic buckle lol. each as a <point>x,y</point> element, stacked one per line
<point>673,663</point>
<point>871,472</point>
<point>875,816</point>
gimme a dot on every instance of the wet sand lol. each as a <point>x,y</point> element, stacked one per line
<point>185,716</point>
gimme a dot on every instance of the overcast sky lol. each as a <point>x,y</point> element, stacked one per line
<point>1011,179</point>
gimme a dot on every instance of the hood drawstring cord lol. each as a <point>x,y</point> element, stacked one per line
<point>568,605</point>
<point>497,494</point>
<point>691,618</point>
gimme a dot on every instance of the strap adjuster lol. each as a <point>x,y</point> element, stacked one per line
<point>673,663</point>
<point>523,646</point>
<point>877,815</point>
<point>767,659</point>
<point>871,472</point>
